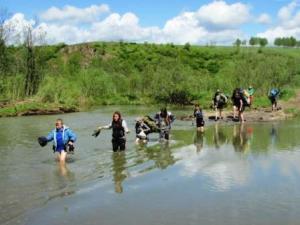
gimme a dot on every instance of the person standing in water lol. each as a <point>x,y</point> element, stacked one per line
<point>199,117</point>
<point>164,119</point>
<point>63,139</point>
<point>119,129</point>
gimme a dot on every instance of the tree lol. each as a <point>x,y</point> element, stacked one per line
<point>263,42</point>
<point>187,46</point>
<point>253,41</point>
<point>31,75</point>
<point>5,31</point>
<point>237,43</point>
<point>278,41</point>
<point>286,42</point>
<point>34,60</point>
<point>293,42</point>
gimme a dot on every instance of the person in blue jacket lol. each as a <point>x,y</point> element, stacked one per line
<point>273,96</point>
<point>62,137</point>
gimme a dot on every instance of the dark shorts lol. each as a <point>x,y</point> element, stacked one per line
<point>59,150</point>
<point>220,105</point>
<point>273,100</point>
<point>239,107</point>
<point>118,144</point>
<point>200,122</point>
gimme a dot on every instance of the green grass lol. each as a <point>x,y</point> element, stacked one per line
<point>26,106</point>
<point>293,111</point>
<point>8,111</point>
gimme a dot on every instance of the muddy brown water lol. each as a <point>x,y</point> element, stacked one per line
<point>231,174</point>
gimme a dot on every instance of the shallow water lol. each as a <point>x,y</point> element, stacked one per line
<point>231,174</point>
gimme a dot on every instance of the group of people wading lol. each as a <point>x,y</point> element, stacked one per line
<point>63,137</point>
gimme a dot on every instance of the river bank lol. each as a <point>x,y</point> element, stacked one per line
<point>250,115</point>
<point>32,108</point>
<point>286,109</point>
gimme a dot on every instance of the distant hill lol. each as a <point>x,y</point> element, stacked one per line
<point>129,73</point>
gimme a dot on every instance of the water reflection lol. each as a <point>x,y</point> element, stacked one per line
<point>220,159</point>
<point>198,141</point>
<point>63,171</point>
<point>119,170</point>
<point>219,136</point>
<point>241,137</point>
<point>62,183</point>
<point>161,154</point>
<point>274,135</point>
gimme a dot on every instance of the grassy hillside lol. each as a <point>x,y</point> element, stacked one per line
<point>128,73</point>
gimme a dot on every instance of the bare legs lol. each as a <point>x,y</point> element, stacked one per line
<point>218,113</point>
<point>61,157</point>
<point>234,111</point>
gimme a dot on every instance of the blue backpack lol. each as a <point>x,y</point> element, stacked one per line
<point>274,92</point>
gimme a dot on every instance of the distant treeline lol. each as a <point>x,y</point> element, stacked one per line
<point>287,42</point>
<point>262,42</point>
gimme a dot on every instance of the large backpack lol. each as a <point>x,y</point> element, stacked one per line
<point>223,99</point>
<point>274,92</point>
<point>198,115</point>
<point>220,99</point>
<point>244,96</point>
<point>151,124</point>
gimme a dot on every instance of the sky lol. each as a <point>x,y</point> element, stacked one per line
<point>165,21</point>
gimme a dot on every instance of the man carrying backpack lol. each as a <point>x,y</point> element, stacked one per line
<point>273,96</point>
<point>219,103</point>
<point>239,103</point>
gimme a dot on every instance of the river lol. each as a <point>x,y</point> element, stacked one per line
<point>231,174</point>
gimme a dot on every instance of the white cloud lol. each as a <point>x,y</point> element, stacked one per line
<point>280,31</point>
<point>288,24</point>
<point>126,27</point>
<point>215,22</point>
<point>18,22</point>
<point>225,168</point>
<point>264,19</point>
<point>64,33</point>
<point>18,25</point>
<point>184,28</point>
<point>73,14</point>
<point>286,12</point>
<point>219,14</point>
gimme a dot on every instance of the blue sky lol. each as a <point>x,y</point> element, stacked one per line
<point>151,12</point>
<point>157,13</point>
